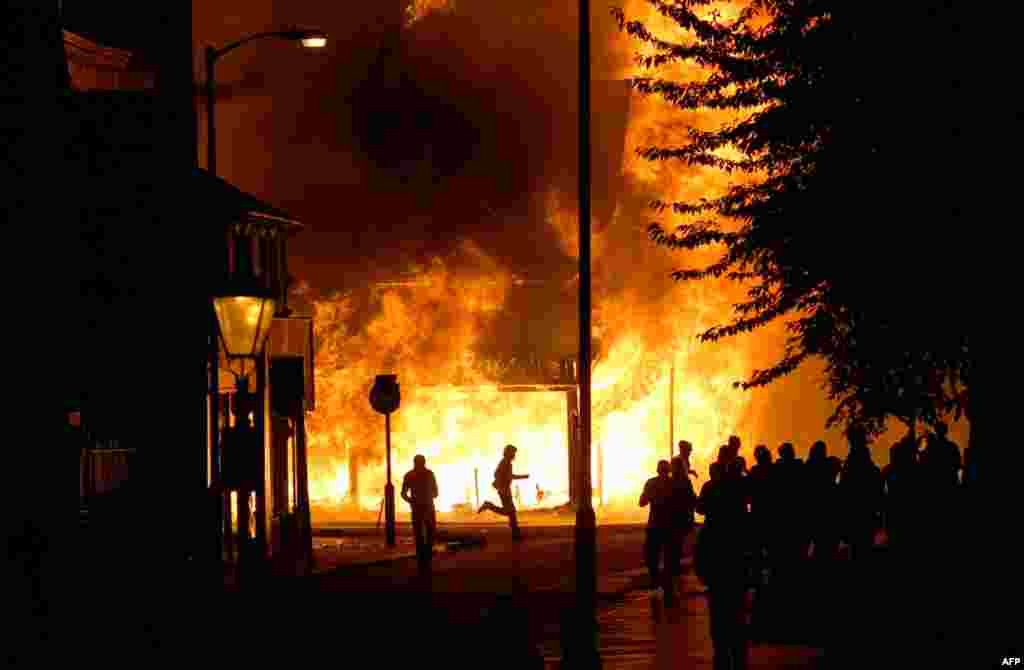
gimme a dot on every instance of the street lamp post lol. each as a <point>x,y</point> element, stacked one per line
<point>672,407</point>
<point>583,651</point>
<point>311,39</point>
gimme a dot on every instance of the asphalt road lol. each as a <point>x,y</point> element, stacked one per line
<point>505,605</point>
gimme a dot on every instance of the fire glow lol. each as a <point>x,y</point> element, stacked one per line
<point>646,324</point>
<point>461,429</point>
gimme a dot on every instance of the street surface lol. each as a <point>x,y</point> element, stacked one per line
<point>502,605</point>
<point>636,629</point>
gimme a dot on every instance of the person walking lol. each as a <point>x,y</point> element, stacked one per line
<point>761,502</point>
<point>901,479</point>
<point>419,489</point>
<point>788,543</point>
<point>721,562</point>
<point>862,495</point>
<point>503,478</point>
<point>821,503</point>
<point>685,451</point>
<point>684,500</point>
<point>657,495</point>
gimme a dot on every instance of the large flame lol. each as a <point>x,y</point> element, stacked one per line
<point>461,428</point>
<point>647,325</point>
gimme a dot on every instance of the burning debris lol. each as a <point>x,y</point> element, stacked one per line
<point>435,331</point>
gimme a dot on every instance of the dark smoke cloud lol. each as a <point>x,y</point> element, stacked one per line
<point>413,139</point>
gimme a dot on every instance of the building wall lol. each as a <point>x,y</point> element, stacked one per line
<point>128,156</point>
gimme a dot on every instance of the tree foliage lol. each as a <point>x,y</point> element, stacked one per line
<point>848,140</point>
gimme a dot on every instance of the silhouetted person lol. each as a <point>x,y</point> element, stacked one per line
<point>902,482</point>
<point>724,455</point>
<point>419,489</point>
<point>721,562</point>
<point>820,478</point>
<point>685,451</point>
<point>789,536</point>
<point>943,493</point>
<point>684,501</point>
<point>944,459</point>
<point>861,496</point>
<point>714,476</point>
<point>503,478</point>
<point>734,445</point>
<point>761,501</point>
<point>658,494</point>
<point>836,465</point>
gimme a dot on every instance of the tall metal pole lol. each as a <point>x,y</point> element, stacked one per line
<point>583,652</point>
<point>261,412</point>
<point>213,405</point>
<point>219,500</point>
<point>672,408</point>
<point>211,136</point>
<point>389,489</point>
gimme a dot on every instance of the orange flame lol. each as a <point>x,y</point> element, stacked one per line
<point>418,9</point>
<point>646,323</point>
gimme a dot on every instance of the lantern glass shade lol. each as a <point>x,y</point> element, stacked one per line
<point>244,323</point>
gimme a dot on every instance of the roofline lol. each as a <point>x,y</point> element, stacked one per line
<point>291,223</point>
<point>97,54</point>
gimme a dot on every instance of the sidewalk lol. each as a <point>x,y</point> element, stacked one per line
<point>342,547</point>
<point>636,630</point>
<point>332,553</point>
<point>641,631</point>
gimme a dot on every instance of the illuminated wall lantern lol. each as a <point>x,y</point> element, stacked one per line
<point>249,284</point>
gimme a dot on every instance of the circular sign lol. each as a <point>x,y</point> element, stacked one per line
<point>385,396</point>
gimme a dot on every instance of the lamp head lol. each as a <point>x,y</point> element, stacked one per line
<point>311,39</point>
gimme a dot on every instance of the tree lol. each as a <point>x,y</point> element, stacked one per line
<point>847,127</point>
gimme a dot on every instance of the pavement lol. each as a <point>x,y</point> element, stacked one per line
<point>636,628</point>
<point>870,614</point>
<point>492,603</point>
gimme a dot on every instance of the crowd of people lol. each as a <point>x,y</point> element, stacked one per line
<point>768,522</point>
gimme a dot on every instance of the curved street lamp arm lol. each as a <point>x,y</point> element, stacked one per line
<point>293,34</point>
<point>214,54</point>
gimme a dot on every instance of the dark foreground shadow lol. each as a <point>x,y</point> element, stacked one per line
<point>148,617</point>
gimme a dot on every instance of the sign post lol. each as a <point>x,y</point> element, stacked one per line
<point>385,397</point>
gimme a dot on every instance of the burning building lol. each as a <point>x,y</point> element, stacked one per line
<point>455,156</point>
<point>485,362</point>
